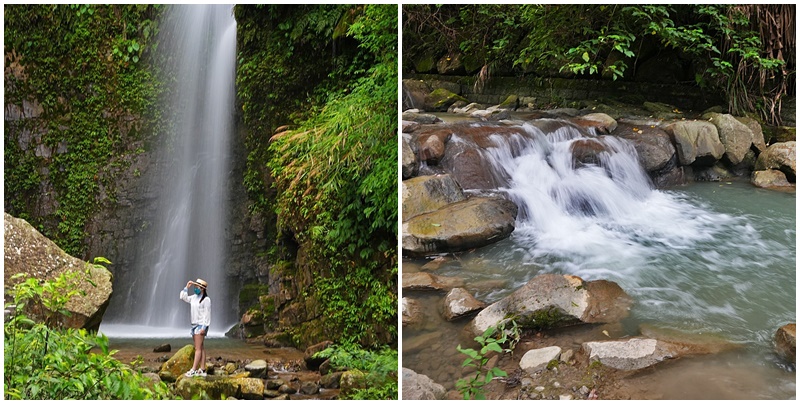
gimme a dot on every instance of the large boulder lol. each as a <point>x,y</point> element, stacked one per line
<point>758,133</point>
<point>734,135</point>
<point>652,144</point>
<point>771,179</point>
<point>786,343</point>
<point>697,142</point>
<point>29,252</point>
<point>779,156</point>
<point>421,387</point>
<point>475,222</point>
<point>220,387</point>
<point>178,364</point>
<point>459,303</point>
<point>428,194</point>
<point>552,300</point>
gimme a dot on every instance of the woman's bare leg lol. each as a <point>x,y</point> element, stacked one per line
<point>198,350</point>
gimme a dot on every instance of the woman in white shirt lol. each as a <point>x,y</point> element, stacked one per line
<point>201,319</point>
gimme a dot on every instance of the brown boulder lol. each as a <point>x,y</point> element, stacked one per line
<point>29,252</point>
<point>785,342</point>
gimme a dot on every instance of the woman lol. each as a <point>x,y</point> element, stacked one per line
<point>201,319</point>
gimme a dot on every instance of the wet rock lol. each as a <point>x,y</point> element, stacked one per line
<point>331,380</point>
<point>309,388</point>
<point>425,281</point>
<point>286,388</point>
<point>586,152</point>
<point>772,179</point>
<point>178,364</point>
<point>412,312</point>
<point>537,359</point>
<point>273,394</point>
<point>785,342</point>
<point>459,303</point>
<point>652,144</point>
<point>431,147</point>
<point>435,264</point>
<point>469,108</point>
<point>428,194</point>
<point>734,135</point>
<point>26,251</point>
<point>163,348</point>
<point>552,300</point>
<point>779,156</point>
<point>257,368</point>
<point>600,121</point>
<point>469,167</point>
<point>230,368</point>
<point>275,384</point>
<point>410,126</point>
<point>460,226</point>
<point>311,362</point>
<point>415,116</point>
<point>696,142</point>
<point>683,344</point>
<point>420,387</point>
<point>409,160</point>
<point>419,342</point>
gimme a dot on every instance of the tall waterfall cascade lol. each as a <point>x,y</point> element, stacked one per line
<point>198,43</point>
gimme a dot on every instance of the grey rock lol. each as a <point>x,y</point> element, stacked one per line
<point>770,179</point>
<point>459,303</point>
<point>779,156</point>
<point>409,160</point>
<point>734,135</point>
<point>632,354</point>
<point>163,348</point>
<point>420,387</point>
<point>696,141</point>
<point>537,359</point>
<point>552,300</point>
<point>309,388</point>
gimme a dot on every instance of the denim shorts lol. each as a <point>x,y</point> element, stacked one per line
<point>196,328</point>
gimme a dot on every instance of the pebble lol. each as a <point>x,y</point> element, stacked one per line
<point>565,397</point>
<point>526,381</point>
<point>584,390</point>
<point>557,385</point>
<point>539,388</point>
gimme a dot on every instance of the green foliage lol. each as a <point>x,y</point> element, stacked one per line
<point>45,362</point>
<point>472,387</point>
<point>334,168</point>
<point>724,44</point>
<point>89,83</point>
<point>380,365</point>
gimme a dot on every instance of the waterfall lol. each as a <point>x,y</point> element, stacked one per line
<point>188,240</point>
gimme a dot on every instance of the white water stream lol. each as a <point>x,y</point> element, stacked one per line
<point>199,42</point>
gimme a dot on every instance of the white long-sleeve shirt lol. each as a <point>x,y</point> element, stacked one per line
<point>201,311</point>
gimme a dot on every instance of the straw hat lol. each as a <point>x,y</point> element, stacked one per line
<point>201,283</point>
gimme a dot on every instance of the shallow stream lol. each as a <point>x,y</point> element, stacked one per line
<point>705,258</point>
